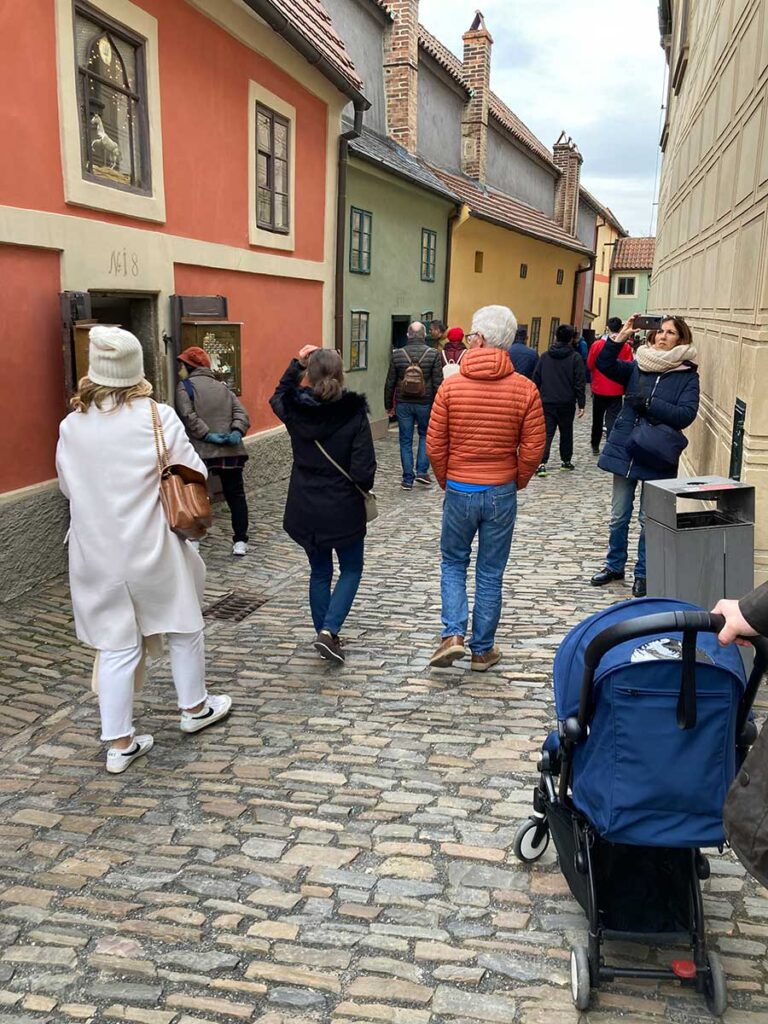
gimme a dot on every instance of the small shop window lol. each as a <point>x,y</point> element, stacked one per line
<point>535,332</point>
<point>625,286</point>
<point>361,222</point>
<point>427,316</point>
<point>272,171</point>
<point>112,102</point>
<point>358,344</point>
<point>554,324</point>
<point>428,254</point>
<point>523,270</point>
<point>560,276</point>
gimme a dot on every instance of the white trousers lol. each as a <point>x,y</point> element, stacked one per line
<point>117,672</point>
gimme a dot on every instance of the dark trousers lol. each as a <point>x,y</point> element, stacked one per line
<point>234,494</point>
<point>605,408</point>
<point>560,416</point>
<point>330,607</point>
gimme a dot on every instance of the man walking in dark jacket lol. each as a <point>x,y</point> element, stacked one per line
<point>415,374</point>
<point>560,378</point>
<point>523,357</point>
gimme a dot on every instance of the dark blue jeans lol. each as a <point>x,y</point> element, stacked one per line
<point>491,515</point>
<point>330,608</point>
<point>622,507</point>
<point>410,415</point>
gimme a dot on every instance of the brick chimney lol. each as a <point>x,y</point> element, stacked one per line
<point>568,160</point>
<point>401,72</point>
<point>474,122</point>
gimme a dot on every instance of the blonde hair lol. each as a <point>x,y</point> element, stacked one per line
<point>89,394</point>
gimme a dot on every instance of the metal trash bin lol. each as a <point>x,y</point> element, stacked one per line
<point>701,554</point>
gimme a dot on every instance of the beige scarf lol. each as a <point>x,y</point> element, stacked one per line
<point>655,360</point>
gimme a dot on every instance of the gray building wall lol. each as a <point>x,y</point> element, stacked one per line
<point>511,171</point>
<point>439,118</point>
<point>362,30</point>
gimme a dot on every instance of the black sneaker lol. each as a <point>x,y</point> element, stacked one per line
<point>542,470</point>
<point>567,465</point>
<point>328,646</point>
<point>595,451</point>
<point>406,486</point>
<point>425,480</point>
<point>639,588</point>
<point>606,575</point>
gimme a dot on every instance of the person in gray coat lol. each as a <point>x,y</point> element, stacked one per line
<point>216,422</point>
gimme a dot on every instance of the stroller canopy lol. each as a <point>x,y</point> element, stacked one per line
<point>638,776</point>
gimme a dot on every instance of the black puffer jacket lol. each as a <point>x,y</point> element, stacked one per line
<point>431,363</point>
<point>323,509</point>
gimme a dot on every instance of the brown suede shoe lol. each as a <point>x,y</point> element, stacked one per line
<point>451,649</point>
<point>482,662</point>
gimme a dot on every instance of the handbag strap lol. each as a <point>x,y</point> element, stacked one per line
<point>161,448</point>
<point>343,472</point>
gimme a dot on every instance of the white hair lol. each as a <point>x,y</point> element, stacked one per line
<point>417,330</point>
<point>497,324</point>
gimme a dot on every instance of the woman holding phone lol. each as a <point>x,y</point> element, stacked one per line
<point>660,401</point>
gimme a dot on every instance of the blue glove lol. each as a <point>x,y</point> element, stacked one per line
<point>234,437</point>
<point>217,438</point>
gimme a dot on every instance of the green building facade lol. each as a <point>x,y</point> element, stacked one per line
<point>396,248</point>
<point>629,292</point>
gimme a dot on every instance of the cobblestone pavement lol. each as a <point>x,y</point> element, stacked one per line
<point>340,849</point>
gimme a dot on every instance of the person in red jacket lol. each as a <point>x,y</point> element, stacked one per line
<point>485,439</point>
<point>606,393</point>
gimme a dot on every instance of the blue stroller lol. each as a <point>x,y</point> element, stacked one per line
<point>653,720</point>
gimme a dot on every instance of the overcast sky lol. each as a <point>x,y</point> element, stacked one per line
<point>592,67</point>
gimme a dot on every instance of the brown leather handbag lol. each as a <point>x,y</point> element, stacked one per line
<point>183,491</point>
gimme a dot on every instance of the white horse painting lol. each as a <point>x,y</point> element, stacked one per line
<point>110,149</point>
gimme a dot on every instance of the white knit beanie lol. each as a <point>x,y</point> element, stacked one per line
<point>115,359</point>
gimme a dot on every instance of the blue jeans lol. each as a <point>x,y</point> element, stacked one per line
<point>409,414</point>
<point>490,514</point>
<point>621,514</point>
<point>330,609</point>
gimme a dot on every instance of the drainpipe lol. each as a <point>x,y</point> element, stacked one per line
<point>581,270</point>
<point>454,217</point>
<point>341,224</point>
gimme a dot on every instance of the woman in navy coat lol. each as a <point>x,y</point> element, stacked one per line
<point>662,392</point>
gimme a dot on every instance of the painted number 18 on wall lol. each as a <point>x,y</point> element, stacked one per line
<point>123,263</point>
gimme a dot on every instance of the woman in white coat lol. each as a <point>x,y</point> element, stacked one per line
<point>131,578</point>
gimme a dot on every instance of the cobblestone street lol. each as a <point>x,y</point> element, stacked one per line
<point>339,849</point>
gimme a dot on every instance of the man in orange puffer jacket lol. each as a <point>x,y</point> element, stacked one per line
<point>485,441</point>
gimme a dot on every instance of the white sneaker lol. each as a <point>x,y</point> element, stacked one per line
<point>216,707</point>
<point>118,760</point>
<point>239,548</point>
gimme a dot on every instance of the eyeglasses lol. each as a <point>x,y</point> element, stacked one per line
<point>471,335</point>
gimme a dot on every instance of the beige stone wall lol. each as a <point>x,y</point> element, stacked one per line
<point>711,263</point>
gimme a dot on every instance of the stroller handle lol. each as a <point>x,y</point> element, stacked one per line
<point>689,624</point>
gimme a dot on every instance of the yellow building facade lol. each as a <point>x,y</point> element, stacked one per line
<point>711,261</point>
<point>486,269</point>
<point>608,234</point>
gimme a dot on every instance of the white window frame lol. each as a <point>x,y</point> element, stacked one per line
<point>626,295</point>
<point>258,95</point>
<point>77,190</point>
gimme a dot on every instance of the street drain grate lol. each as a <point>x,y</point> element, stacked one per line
<point>235,607</point>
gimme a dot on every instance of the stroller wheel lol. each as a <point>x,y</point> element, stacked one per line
<point>714,986</point>
<point>531,840</point>
<point>580,980</point>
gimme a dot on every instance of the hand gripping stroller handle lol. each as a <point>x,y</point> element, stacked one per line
<point>689,624</point>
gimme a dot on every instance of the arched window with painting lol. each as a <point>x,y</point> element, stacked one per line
<point>111,85</point>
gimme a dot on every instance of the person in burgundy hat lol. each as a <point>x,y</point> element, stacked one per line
<point>216,422</point>
<point>453,351</point>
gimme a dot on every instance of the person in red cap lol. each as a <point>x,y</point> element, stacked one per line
<point>216,422</point>
<point>453,351</point>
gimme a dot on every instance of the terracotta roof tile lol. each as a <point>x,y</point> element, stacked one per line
<point>311,20</point>
<point>490,204</point>
<point>508,119</point>
<point>443,56</point>
<point>633,254</point>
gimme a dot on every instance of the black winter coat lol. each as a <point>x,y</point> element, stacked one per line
<point>560,377</point>
<point>323,509</point>
<point>671,398</point>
